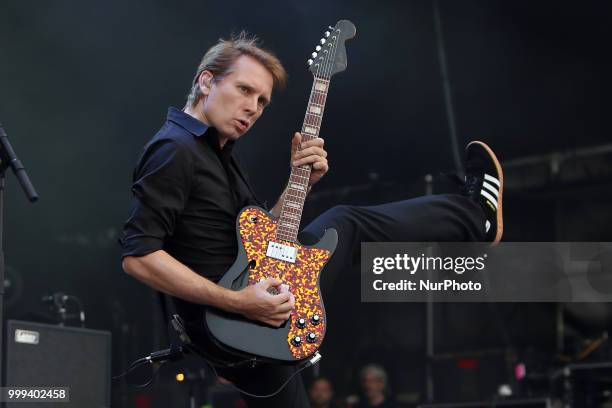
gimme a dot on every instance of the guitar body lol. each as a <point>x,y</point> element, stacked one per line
<point>256,260</point>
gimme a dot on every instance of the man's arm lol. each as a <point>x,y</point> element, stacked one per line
<point>163,272</point>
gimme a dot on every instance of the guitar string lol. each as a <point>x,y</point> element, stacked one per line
<point>283,203</point>
<point>323,72</point>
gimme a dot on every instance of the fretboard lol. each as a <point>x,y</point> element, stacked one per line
<point>297,188</point>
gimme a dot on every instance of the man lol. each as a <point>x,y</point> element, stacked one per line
<point>188,189</point>
<point>374,388</point>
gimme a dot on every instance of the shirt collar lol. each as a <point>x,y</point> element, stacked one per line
<point>198,128</point>
<point>186,121</point>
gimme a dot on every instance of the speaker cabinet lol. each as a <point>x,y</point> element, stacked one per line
<point>42,355</point>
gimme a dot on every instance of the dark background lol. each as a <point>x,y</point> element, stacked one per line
<point>86,84</point>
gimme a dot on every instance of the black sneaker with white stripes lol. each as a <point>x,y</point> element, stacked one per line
<point>484,183</point>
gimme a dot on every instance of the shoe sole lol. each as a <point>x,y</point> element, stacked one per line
<point>500,173</point>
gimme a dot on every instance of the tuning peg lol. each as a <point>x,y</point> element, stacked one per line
<point>330,27</point>
<point>314,55</point>
<point>309,62</point>
<point>327,33</point>
<point>322,40</point>
<point>318,48</point>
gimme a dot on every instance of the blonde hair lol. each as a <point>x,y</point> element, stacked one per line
<point>220,57</point>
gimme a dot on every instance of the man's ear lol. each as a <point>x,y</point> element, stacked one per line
<point>205,81</point>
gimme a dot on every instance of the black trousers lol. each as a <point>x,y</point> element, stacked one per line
<point>436,218</point>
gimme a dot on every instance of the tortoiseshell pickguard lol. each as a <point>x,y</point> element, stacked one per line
<point>256,230</point>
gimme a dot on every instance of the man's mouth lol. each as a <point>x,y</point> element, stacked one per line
<point>243,124</point>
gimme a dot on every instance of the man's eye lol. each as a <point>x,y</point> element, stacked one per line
<point>243,89</point>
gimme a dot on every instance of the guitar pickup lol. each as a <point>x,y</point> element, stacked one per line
<point>281,252</point>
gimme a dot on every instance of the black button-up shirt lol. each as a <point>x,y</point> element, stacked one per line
<point>187,193</point>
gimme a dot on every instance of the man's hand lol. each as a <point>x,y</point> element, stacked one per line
<point>312,153</point>
<point>256,303</point>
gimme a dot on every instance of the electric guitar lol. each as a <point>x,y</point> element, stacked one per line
<point>268,247</point>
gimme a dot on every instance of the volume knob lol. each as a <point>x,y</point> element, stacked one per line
<point>296,341</point>
<point>300,323</point>
<point>315,319</point>
<point>311,337</point>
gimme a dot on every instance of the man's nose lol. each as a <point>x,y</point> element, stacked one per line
<point>251,105</point>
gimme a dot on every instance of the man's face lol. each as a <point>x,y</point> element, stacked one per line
<point>320,392</point>
<point>234,103</point>
<point>372,385</point>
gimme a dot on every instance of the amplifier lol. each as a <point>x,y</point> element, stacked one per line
<point>510,403</point>
<point>42,355</point>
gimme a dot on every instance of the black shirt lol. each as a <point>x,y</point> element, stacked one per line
<point>187,193</point>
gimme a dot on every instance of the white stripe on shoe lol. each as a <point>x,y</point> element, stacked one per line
<point>492,179</point>
<point>491,189</point>
<point>489,197</point>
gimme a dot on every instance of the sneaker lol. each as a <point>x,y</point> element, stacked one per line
<point>484,183</point>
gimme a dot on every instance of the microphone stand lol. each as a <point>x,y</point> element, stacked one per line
<point>8,158</point>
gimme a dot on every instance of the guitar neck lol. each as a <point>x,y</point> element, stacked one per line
<point>297,188</point>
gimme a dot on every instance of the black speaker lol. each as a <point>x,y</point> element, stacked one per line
<point>41,355</point>
<point>509,403</point>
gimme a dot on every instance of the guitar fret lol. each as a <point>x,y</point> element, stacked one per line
<point>295,198</point>
<point>299,176</point>
<point>292,204</point>
<point>290,210</point>
<point>288,224</point>
<point>313,117</point>
<point>301,171</point>
<point>299,179</point>
<point>315,109</point>
<point>287,215</point>
<point>320,86</point>
<point>311,130</point>
<point>298,187</point>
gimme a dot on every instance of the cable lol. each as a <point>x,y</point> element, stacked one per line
<point>132,366</point>
<point>156,369</point>
<point>157,359</point>
<point>308,363</point>
<point>136,364</point>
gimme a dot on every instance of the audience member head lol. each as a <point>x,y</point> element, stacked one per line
<point>373,383</point>
<point>320,393</point>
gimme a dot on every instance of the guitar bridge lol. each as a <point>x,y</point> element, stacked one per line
<point>281,252</point>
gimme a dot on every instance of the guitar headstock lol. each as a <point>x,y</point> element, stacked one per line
<point>329,56</point>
